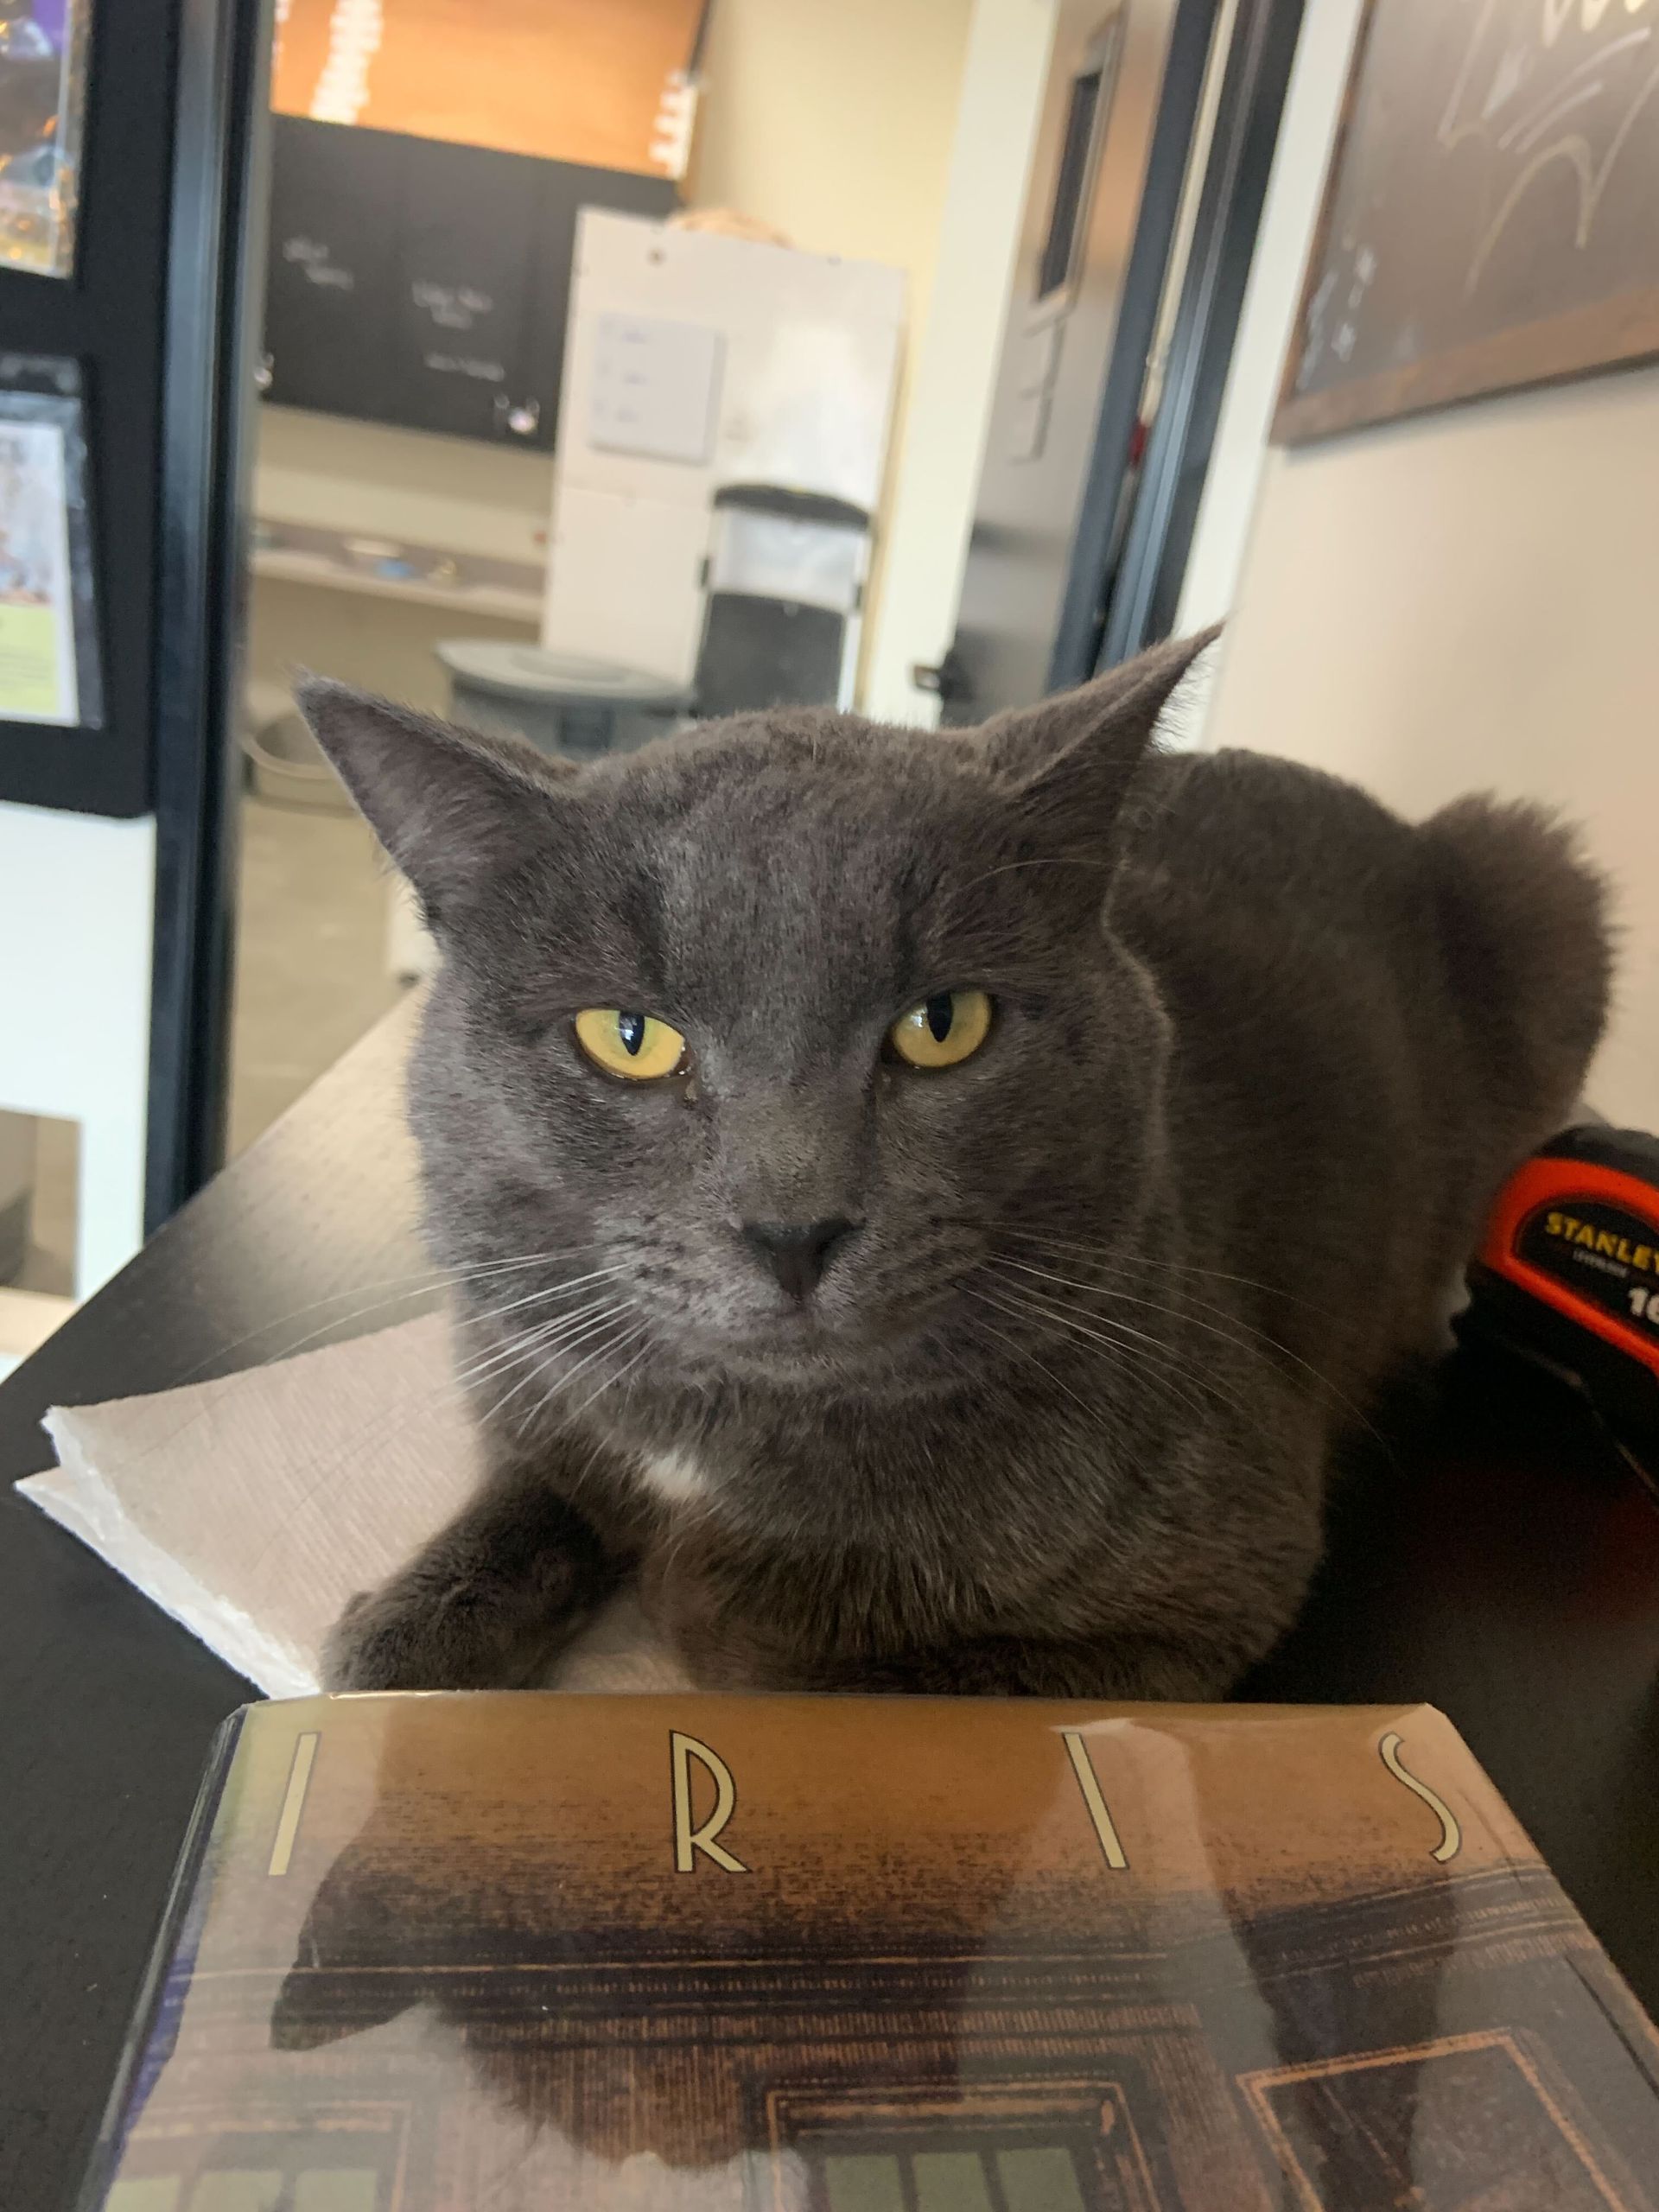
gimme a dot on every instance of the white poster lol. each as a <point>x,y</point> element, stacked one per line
<point>37,629</point>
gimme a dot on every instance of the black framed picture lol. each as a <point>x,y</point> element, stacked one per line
<point>43,46</point>
<point>1489,216</point>
<point>50,668</point>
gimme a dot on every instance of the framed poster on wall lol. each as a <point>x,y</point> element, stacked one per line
<point>49,666</point>
<point>43,46</point>
<point>1489,218</point>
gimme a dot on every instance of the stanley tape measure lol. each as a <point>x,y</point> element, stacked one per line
<point>1568,1277</point>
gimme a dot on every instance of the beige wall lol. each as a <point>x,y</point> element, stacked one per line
<point>384,645</point>
<point>461,494</point>
<point>1469,601</point>
<point>955,351</point>
<point>370,479</point>
<point>835,120</point>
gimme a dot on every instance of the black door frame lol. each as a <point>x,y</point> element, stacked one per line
<point>214,288</point>
<point>1125,580</point>
<point>1141,601</point>
<point>1076,631</point>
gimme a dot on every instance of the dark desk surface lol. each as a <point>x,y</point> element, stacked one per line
<point>1495,1564</point>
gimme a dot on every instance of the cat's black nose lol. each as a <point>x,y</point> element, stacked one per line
<point>798,1252</point>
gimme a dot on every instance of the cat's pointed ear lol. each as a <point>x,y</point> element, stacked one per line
<point>1068,760</point>
<point>452,807</point>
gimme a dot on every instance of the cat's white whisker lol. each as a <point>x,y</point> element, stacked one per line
<point>613,1343</point>
<point>1046,1301</point>
<point>1030,1358</point>
<point>531,1343</point>
<point>1108,1261</point>
<point>521,1347</point>
<point>415,1283</point>
<point>1107,1256</point>
<point>1120,1330</point>
<point>1251,1342</point>
<point>539,1297</point>
<point>535,1356</point>
<point>1130,1346</point>
<point>335,1321</point>
<point>612,1381</point>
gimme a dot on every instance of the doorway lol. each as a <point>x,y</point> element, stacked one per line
<point>426,466</point>
<point>1159,122</point>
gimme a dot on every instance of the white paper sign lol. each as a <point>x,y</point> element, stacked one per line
<point>655,388</point>
<point>37,630</point>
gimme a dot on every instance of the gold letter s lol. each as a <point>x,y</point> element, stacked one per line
<point>1450,1834</point>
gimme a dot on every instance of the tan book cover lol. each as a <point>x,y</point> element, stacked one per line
<point>506,1954</point>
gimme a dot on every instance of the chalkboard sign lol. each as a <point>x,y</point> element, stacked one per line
<point>423,283</point>
<point>1491,217</point>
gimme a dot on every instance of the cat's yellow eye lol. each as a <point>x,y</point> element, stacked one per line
<point>636,1046</point>
<point>949,1027</point>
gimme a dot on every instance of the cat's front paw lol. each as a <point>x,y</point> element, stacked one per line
<point>399,1638</point>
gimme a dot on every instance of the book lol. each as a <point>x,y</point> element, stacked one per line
<point>487,1954</point>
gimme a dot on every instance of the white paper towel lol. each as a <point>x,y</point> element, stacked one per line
<point>251,1508</point>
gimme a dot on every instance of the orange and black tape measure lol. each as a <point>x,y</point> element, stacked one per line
<point>1567,1276</point>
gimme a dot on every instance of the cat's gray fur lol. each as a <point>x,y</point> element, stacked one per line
<point>1059,1418</point>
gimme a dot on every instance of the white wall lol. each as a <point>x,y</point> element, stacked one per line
<point>77,898</point>
<point>1468,599</point>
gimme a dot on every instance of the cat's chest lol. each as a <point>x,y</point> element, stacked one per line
<point>678,1478</point>
<point>903,1482</point>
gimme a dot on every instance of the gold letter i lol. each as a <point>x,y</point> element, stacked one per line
<point>1077,1753</point>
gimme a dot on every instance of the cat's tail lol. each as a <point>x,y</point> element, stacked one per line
<point>1524,921</point>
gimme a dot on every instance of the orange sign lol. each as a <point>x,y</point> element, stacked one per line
<point>601,82</point>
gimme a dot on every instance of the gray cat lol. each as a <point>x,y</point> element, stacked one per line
<point>926,1204</point>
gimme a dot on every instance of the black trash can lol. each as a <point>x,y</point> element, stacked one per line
<point>785,580</point>
<point>566,703</point>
